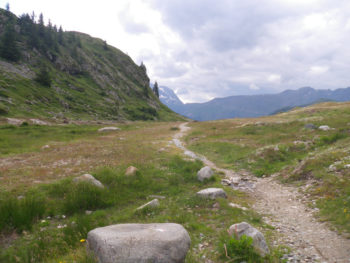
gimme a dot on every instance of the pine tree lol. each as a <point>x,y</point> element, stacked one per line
<point>43,77</point>
<point>60,35</point>
<point>8,7</point>
<point>155,89</point>
<point>8,47</point>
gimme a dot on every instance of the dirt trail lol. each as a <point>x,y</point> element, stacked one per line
<point>311,241</point>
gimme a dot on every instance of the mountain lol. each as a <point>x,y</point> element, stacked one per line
<point>46,72</point>
<point>168,97</point>
<point>258,105</point>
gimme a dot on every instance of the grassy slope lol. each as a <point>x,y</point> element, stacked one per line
<point>281,144</point>
<point>90,80</point>
<point>44,177</point>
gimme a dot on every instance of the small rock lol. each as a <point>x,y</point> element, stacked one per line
<point>131,170</point>
<point>324,128</point>
<point>212,193</point>
<point>347,166</point>
<point>20,197</point>
<point>45,147</point>
<point>90,179</point>
<point>88,212</point>
<point>238,206</point>
<point>205,173</point>
<point>106,129</point>
<point>157,243</point>
<point>259,243</point>
<point>153,203</point>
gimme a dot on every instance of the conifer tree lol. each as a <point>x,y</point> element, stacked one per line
<point>155,89</point>
<point>43,77</point>
<point>8,47</point>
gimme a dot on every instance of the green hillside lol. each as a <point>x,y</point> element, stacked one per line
<point>45,72</point>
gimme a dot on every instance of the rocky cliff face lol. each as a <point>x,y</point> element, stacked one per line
<point>72,75</point>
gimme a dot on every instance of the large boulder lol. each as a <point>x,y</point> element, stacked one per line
<point>310,126</point>
<point>90,179</point>
<point>259,243</point>
<point>107,129</point>
<point>205,173</point>
<point>142,243</point>
<point>212,193</point>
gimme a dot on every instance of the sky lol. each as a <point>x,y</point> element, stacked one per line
<point>204,49</point>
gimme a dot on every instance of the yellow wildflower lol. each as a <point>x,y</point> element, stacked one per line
<point>82,240</point>
<point>345,210</point>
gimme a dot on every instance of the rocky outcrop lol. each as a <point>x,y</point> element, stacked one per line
<point>205,173</point>
<point>142,243</point>
<point>212,193</point>
<point>259,243</point>
<point>90,179</point>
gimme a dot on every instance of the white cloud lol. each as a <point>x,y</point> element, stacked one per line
<point>253,87</point>
<point>316,70</point>
<point>204,49</point>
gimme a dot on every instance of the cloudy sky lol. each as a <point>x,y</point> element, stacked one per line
<point>204,49</point>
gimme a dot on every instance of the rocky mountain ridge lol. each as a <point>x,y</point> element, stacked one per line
<point>253,105</point>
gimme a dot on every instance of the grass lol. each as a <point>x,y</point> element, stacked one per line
<point>281,144</point>
<point>53,234</point>
<point>27,138</point>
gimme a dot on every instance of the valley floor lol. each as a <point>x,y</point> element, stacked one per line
<point>286,210</point>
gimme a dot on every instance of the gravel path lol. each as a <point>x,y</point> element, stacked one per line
<point>283,207</point>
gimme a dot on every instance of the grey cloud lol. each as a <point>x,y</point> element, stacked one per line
<point>231,45</point>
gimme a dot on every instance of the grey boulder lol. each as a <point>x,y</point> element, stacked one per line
<point>212,193</point>
<point>90,179</point>
<point>205,173</point>
<point>141,243</point>
<point>259,243</point>
<point>310,126</point>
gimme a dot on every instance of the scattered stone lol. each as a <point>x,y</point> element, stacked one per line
<point>107,129</point>
<point>131,170</point>
<point>347,166</point>
<point>324,128</point>
<point>157,196</point>
<point>45,147</point>
<point>13,121</point>
<point>151,204</point>
<point>238,206</point>
<point>157,243</point>
<point>212,193</point>
<point>205,173</point>
<point>90,179</point>
<point>310,126</point>
<point>225,182</point>
<point>259,243</point>
<point>20,197</point>
<point>38,122</point>
<point>88,212</point>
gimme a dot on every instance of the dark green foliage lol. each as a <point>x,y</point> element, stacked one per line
<point>239,250</point>
<point>9,49</point>
<point>329,139</point>
<point>43,77</point>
